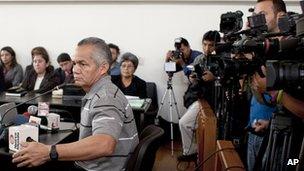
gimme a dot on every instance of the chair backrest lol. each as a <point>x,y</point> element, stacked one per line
<point>144,154</point>
<point>152,93</point>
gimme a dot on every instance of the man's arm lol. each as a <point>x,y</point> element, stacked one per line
<point>293,105</point>
<point>35,154</point>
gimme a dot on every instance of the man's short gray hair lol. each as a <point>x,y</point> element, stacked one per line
<point>102,51</point>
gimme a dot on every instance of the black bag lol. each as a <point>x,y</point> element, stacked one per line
<point>191,95</point>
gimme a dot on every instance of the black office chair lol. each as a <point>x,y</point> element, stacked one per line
<point>153,109</point>
<point>144,155</point>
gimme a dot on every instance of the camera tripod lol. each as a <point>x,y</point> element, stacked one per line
<point>279,143</point>
<point>172,101</point>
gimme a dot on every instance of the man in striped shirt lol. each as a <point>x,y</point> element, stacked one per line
<point>107,133</point>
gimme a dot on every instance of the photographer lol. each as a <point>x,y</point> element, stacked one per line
<point>260,114</point>
<point>183,55</point>
<point>197,89</point>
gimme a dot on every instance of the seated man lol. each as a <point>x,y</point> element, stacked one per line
<point>115,51</point>
<point>65,71</point>
<point>107,129</point>
<point>199,88</point>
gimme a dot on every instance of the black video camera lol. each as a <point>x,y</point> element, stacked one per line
<point>231,22</point>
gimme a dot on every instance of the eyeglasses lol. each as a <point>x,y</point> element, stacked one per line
<point>127,66</point>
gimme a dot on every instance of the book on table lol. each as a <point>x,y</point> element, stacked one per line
<point>15,91</point>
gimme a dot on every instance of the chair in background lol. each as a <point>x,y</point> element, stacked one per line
<point>152,111</point>
<point>144,154</point>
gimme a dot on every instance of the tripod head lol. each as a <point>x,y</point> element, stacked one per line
<point>169,82</point>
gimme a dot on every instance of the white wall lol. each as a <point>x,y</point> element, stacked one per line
<point>144,28</point>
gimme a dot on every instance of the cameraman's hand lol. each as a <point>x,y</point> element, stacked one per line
<point>169,56</point>
<point>208,76</point>
<point>193,78</point>
<point>259,83</point>
<point>260,125</point>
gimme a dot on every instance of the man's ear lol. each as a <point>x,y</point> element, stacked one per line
<point>103,69</point>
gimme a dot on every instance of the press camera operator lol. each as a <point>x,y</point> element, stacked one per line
<point>200,87</point>
<point>183,55</point>
<point>260,114</point>
<point>260,111</point>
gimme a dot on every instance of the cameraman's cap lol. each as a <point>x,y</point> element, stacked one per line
<point>180,40</point>
<point>63,57</point>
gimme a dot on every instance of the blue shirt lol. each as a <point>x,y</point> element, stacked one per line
<point>260,111</point>
<point>193,55</point>
<point>115,70</point>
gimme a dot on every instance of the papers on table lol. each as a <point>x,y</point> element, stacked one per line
<point>135,101</point>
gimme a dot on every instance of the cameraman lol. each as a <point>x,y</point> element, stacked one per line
<point>183,55</point>
<point>197,90</point>
<point>260,114</point>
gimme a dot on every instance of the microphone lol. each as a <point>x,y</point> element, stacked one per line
<point>33,98</point>
<point>32,110</point>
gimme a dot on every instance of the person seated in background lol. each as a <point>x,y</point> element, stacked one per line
<point>127,82</point>
<point>65,71</point>
<point>115,68</point>
<point>40,77</point>
<point>199,89</point>
<point>12,71</point>
<point>1,80</point>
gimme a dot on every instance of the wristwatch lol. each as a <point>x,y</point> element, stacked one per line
<point>53,153</point>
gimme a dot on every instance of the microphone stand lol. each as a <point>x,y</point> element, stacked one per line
<point>33,98</point>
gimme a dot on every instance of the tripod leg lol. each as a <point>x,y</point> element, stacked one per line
<point>161,107</point>
<point>273,156</point>
<point>284,151</point>
<point>171,121</point>
<point>300,165</point>
<point>175,103</point>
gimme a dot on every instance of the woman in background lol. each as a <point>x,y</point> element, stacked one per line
<point>12,71</point>
<point>40,77</point>
<point>127,82</point>
<point>1,80</point>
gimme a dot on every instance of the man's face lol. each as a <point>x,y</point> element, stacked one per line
<point>66,66</point>
<point>208,47</point>
<point>114,54</point>
<point>267,8</point>
<point>185,50</point>
<point>85,70</point>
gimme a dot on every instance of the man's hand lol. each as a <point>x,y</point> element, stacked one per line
<point>32,154</point>
<point>169,56</point>
<point>260,125</point>
<point>259,83</point>
<point>208,76</point>
<point>193,78</point>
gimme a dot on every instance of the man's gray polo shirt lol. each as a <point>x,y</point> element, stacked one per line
<point>106,111</point>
